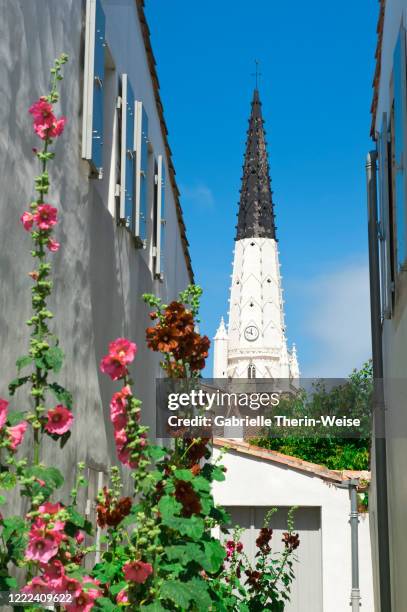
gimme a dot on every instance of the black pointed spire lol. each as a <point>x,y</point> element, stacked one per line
<point>256,214</point>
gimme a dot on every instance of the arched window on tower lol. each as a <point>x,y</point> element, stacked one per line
<point>251,371</point>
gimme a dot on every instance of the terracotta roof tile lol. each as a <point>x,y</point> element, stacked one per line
<point>335,476</point>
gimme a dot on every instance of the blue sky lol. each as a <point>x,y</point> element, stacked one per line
<point>317,63</point>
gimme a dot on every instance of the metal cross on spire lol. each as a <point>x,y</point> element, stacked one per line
<point>257,74</point>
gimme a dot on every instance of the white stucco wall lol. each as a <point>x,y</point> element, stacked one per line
<point>99,275</point>
<point>395,358</point>
<point>252,481</point>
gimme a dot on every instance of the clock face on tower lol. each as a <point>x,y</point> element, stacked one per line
<point>251,333</point>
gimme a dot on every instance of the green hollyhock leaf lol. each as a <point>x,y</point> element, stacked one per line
<point>103,603</point>
<point>186,475</point>
<point>51,476</point>
<point>154,607</point>
<point>24,361</point>
<point>183,553</point>
<point>8,480</point>
<point>15,417</point>
<point>178,592</point>
<point>116,588</point>
<point>156,452</point>
<point>16,383</point>
<point>192,527</point>
<point>11,525</point>
<point>62,394</point>
<point>105,572</point>
<point>214,555</point>
<point>182,593</point>
<point>168,507</point>
<point>54,358</point>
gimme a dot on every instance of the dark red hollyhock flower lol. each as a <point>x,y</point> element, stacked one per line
<point>198,450</point>
<point>253,578</point>
<point>111,514</point>
<point>162,338</point>
<point>291,540</point>
<point>187,496</point>
<point>263,539</point>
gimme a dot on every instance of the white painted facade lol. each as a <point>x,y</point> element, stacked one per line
<point>390,127</point>
<point>100,273</point>
<point>323,571</point>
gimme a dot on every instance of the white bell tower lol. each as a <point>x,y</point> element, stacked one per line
<point>255,344</point>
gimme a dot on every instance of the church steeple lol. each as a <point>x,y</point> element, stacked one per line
<point>256,214</point>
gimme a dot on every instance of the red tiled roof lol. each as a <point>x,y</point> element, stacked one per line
<point>335,476</point>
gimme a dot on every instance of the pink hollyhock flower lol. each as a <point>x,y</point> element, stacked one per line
<point>122,597</point>
<point>60,420</point>
<point>58,127</point>
<point>124,457</point>
<point>37,586</point>
<point>72,586</point>
<point>49,127</point>
<point>84,600</point>
<point>50,508</point>
<point>122,350</point>
<point>121,353</point>
<point>27,220</point>
<point>54,570</point>
<point>53,245</point>
<point>112,368</point>
<point>45,216</point>
<point>137,571</point>
<point>41,109</point>
<point>16,434</point>
<point>118,407</point>
<point>120,437</point>
<point>80,538</point>
<point>3,412</point>
<point>41,546</point>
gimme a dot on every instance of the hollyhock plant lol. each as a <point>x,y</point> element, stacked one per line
<point>121,354</point>
<point>42,545</point>
<point>84,600</point>
<point>157,547</point>
<point>60,420</point>
<point>3,412</point>
<point>137,571</point>
<point>16,434</point>
<point>45,216</point>
<point>27,220</point>
<point>53,245</point>
<point>45,124</point>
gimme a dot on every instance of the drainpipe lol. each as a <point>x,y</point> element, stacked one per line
<point>378,407</point>
<point>352,485</point>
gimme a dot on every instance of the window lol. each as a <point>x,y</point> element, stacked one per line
<point>386,277</point>
<point>251,371</point>
<point>159,219</point>
<point>400,122</point>
<point>141,192</point>
<point>127,156</point>
<point>92,130</point>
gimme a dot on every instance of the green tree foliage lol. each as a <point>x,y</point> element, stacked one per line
<point>335,452</point>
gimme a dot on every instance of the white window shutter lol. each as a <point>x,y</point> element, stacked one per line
<point>160,218</point>
<point>92,130</point>
<point>384,229</point>
<point>127,154</point>
<point>400,122</point>
<point>141,148</point>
